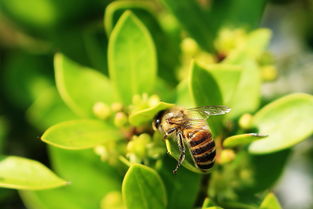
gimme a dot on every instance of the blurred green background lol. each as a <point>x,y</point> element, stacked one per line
<point>31,31</point>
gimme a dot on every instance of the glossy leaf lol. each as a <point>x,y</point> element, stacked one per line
<point>196,23</point>
<point>167,49</point>
<point>227,78</point>
<point>287,121</point>
<point>143,188</point>
<point>67,163</point>
<point>242,139</point>
<point>184,97</point>
<point>81,87</point>
<point>270,202</point>
<point>143,116</point>
<point>132,58</point>
<point>116,9</point>
<point>244,101</point>
<point>205,91</point>
<point>80,134</point>
<point>22,173</point>
<point>172,149</point>
<point>183,186</point>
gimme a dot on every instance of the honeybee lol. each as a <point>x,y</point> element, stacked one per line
<point>190,128</point>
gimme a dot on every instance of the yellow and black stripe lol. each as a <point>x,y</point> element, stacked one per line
<point>202,148</point>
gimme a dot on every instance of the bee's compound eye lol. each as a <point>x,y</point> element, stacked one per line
<point>157,123</point>
<point>157,120</point>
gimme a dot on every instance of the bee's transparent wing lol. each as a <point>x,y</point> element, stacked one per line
<point>206,111</point>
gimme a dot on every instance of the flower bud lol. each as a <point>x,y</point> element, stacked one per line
<point>205,59</point>
<point>227,156</point>
<point>138,146</point>
<point>229,39</point>
<point>269,73</point>
<point>112,200</point>
<point>120,119</point>
<point>116,107</point>
<point>101,110</point>
<point>154,100</point>
<point>101,151</point>
<point>245,121</point>
<point>189,46</point>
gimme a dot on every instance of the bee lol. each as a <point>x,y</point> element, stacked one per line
<point>189,128</point>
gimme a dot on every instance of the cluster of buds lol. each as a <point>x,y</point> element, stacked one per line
<point>138,145</point>
<point>142,148</point>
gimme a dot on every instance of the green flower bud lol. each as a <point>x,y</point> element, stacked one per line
<point>101,110</point>
<point>245,121</point>
<point>269,73</point>
<point>229,40</point>
<point>189,46</point>
<point>138,146</point>
<point>120,119</point>
<point>112,200</point>
<point>227,155</point>
<point>116,107</point>
<point>205,59</point>
<point>101,151</point>
<point>154,100</point>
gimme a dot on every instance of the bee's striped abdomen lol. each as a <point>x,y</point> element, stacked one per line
<point>202,148</point>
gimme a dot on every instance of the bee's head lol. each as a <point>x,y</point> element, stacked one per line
<point>157,120</point>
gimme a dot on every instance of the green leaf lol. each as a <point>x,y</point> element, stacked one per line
<point>183,186</point>
<point>270,202</point>
<point>205,91</point>
<point>67,163</point>
<point>287,121</point>
<point>116,9</point>
<point>227,78</point>
<point>196,23</point>
<point>80,134</point>
<point>244,101</point>
<point>22,173</point>
<point>184,97</point>
<point>204,87</point>
<point>132,58</point>
<point>241,139</point>
<point>167,49</point>
<point>172,149</point>
<point>143,116</point>
<point>81,87</point>
<point>143,188</point>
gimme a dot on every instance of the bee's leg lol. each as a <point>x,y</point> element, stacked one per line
<point>182,150</point>
<point>169,133</point>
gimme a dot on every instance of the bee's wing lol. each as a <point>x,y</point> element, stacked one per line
<point>206,111</point>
